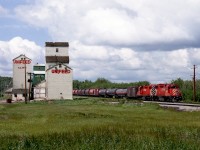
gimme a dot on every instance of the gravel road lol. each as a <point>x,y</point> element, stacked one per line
<point>181,108</point>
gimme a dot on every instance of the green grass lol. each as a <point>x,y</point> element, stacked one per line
<point>97,124</point>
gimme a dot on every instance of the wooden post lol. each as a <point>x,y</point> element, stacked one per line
<point>29,92</point>
<point>194,85</point>
<point>25,91</point>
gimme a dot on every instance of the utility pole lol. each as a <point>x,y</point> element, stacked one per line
<point>25,91</point>
<point>30,85</point>
<point>1,88</point>
<point>194,84</point>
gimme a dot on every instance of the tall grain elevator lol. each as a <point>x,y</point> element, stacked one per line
<point>22,68</point>
<point>59,75</point>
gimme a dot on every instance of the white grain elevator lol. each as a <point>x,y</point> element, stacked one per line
<point>59,82</point>
<point>22,67</point>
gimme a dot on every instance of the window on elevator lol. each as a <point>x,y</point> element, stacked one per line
<point>60,65</point>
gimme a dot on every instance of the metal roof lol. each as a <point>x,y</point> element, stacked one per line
<point>39,65</point>
<point>39,72</point>
<point>23,56</point>
<point>58,65</point>
<point>56,44</point>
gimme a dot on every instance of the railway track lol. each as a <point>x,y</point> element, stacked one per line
<point>178,106</point>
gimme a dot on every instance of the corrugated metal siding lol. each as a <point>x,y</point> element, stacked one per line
<point>62,51</point>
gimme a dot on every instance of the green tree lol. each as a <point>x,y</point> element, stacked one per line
<point>178,82</point>
<point>76,84</point>
<point>5,83</point>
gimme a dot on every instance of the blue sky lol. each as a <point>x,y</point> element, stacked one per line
<point>11,4</point>
<point>12,26</point>
<point>121,40</point>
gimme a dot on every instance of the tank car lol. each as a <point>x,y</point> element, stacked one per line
<point>93,92</point>
<point>120,93</point>
<point>111,93</point>
<point>102,92</point>
<point>79,92</point>
<point>75,92</point>
<point>86,92</point>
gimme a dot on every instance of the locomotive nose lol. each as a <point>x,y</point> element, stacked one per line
<point>176,92</point>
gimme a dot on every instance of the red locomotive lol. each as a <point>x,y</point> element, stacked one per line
<point>158,92</point>
<point>161,92</point>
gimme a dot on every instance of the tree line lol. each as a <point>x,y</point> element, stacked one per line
<point>104,83</point>
<point>5,83</point>
<point>186,87</point>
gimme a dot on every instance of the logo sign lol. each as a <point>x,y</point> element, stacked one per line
<point>153,91</point>
<point>59,71</point>
<point>21,61</point>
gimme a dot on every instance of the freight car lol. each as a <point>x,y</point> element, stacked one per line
<point>157,92</point>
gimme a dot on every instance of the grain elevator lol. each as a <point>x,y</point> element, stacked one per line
<point>22,68</point>
<point>58,74</point>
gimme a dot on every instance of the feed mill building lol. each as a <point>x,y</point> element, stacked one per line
<point>58,74</point>
<point>22,67</point>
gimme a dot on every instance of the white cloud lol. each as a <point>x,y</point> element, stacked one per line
<point>124,64</point>
<point>116,22</point>
<point>3,11</point>
<point>15,47</point>
<point>106,37</point>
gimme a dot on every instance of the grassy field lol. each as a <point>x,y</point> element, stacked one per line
<point>96,124</point>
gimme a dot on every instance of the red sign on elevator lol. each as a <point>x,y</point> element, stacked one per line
<point>58,71</point>
<point>21,61</point>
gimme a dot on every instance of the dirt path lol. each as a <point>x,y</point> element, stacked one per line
<point>3,101</point>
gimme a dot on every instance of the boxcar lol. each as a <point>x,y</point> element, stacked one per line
<point>132,92</point>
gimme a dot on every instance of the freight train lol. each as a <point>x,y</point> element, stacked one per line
<point>154,92</point>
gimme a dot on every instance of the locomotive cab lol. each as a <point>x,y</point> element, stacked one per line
<point>173,93</point>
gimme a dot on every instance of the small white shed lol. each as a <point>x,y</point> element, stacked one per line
<point>40,90</point>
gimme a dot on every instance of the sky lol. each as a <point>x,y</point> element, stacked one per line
<point>120,40</point>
